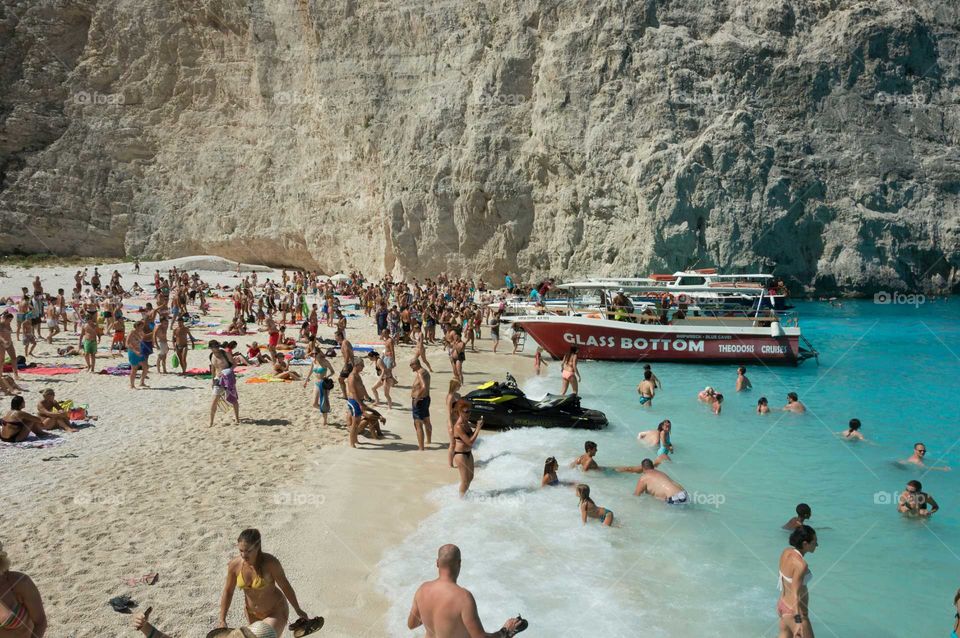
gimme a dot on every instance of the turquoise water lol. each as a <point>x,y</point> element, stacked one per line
<point>710,569</point>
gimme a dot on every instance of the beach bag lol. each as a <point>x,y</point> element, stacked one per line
<point>175,360</point>
<point>328,384</point>
<point>77,414</point>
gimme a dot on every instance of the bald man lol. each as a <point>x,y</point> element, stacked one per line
<point>447,610</point>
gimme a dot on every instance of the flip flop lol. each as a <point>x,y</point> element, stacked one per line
<point>150,579</point>
<point>306,626</point>
<point>57,458</point>
<point>522,624</point>
<point>122,604</point>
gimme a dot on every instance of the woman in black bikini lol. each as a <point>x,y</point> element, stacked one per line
<point>464,439</point>
<point>17,425</point>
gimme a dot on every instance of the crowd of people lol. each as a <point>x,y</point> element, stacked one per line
<point>443,312</point>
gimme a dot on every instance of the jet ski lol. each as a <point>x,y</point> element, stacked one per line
<point>504,406</point>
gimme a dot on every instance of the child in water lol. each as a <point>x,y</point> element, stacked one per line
<point>589,509</point>
<point>538,361</point>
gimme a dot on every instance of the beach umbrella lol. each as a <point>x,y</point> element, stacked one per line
<point>340,277</point>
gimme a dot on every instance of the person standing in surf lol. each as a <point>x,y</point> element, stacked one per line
<point>569,373</point>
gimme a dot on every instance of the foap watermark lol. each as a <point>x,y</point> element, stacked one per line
<point>885,298</point>
<point>95,98</point>
<point>299,499</point>
<point>708,499</point>
<point>501,498</point>
<point>914,100</point>
<point>87,499</point>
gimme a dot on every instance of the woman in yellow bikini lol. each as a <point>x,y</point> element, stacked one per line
<point>264,585</point>
<point>21,608</point>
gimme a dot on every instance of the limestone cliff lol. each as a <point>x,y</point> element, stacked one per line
<point>816,137</point>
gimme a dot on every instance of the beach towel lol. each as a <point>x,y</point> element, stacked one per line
<point>225,333</point>
<point>299,362</point>
<point>33,442</point>
<point>50,371</point>
<point>267,378</point>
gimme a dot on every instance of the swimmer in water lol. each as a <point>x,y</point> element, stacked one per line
<point>659,438</point>
<point>762,406</point>
<point>803,515</point>
<point>852,433</point>
<point>743,383</point>
<point>589,509</point>
<point>550,468</point>
<point>586,461</point>
<point>716,406</point>
<point>706,395</point>
<point>646,389</point>
<point>918,457</point>
<point>915,502</point>
<point>793,404</point>
<point>658,485</point>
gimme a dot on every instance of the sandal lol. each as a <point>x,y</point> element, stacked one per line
<point>305,626</point>
<point>122,604</point>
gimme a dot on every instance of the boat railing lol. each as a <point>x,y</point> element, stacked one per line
<point>786,318</point>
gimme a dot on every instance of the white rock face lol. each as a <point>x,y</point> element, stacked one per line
<point>818,137</point>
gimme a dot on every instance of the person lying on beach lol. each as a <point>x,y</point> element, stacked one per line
<point>804,513</point>
<point>660,438</point>
<point>21,607</point>
<point>915,502</point>
<point>589,509</point>
<point>9,386</point>
<point>281,369</point>
<point>586,460</point>
<point>264,584</point>
<point>657,484</point>
<point>852,433</point>
<point>793,404</point>
<point>17,425</point>
<point>918,458</point>
<point>763,407</point>
<point>54,416</point>
<point>447,610</point>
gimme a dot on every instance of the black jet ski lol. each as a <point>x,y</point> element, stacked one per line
<point>504,405</point>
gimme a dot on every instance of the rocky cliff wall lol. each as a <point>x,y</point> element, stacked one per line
<point>816,137</point>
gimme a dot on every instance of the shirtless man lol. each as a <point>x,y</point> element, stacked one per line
<point>447,610</point>
<point>656,483</point>
<point>793,404</point>
<point>420,350</point>
<point>389,350</point>
<point>180,335</point>
<point>915,502</point>
<point>646,389</point>
<point>918,458</point>
<point>137,361</point>
<point>356,393</point>
<point>88,343</point>
<point>346,351</point>
<point>420,399</point>
<point>23,311</point>
<point>53,323</point>
<point>6,342</point>
<point>743,383</point>
<point>52,413</point>
<point>586,461</point>
<point>163,345</point>
<point>28,337</point>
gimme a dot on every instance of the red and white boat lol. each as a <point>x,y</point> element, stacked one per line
<point>714,339</point>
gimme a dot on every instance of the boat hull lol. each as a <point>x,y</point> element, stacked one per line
<point>620,341</point>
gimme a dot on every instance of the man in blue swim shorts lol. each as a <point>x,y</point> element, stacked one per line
<point>420,398</point>
<point>356,393</point>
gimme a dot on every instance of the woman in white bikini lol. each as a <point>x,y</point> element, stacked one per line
<point>793,606</point>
